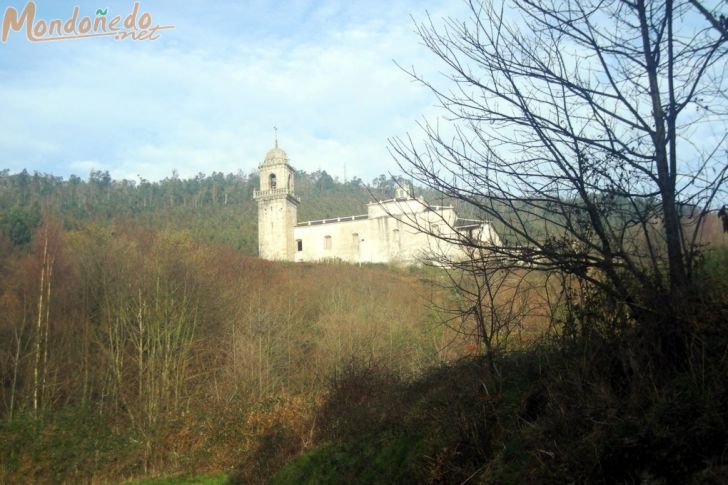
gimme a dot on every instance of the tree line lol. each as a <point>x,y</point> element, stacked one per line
<point>223,203</point>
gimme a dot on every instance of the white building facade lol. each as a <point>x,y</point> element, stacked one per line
<point>403,230</point>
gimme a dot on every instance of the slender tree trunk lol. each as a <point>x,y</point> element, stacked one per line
<point>666,177</point>
<point>140,350</point>
<point>46,331</point>
<point>39,328</point>
<point>16,364</point>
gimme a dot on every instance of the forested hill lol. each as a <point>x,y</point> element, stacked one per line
<point>217,208</point>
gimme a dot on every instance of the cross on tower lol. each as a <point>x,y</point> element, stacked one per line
<point>275,129</point>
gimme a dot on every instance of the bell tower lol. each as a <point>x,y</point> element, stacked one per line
<point>277,207</point>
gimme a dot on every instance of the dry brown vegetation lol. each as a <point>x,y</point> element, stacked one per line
<point>127,351</point>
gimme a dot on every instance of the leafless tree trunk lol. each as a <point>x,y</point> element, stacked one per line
<point>42,327</point>
<point>18,335</point>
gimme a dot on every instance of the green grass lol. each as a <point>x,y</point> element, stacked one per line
<point>394,460</point>
<point>217,479</point>
<point>70,447</point>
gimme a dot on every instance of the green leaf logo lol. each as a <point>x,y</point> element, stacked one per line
<point>101,12</point>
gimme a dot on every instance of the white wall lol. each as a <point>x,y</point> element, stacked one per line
<point>384,239</point>
<point>342,241</point>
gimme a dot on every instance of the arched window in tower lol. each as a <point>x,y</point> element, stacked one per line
<point>272,181</point>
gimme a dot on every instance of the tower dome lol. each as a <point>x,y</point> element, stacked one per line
<point>275,156</point>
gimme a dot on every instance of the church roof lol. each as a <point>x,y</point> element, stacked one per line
<point>467,222</point>
<point>335,219</point>
<point>275,156</point>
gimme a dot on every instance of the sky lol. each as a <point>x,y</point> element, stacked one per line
<point>205,96</point>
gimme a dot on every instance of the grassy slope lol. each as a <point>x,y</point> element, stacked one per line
<point>370,312</point>
<point>218,479</point>
<point>534,430</point>
<point>588,411</point>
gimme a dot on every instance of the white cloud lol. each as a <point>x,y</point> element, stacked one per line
<point>203,103</point>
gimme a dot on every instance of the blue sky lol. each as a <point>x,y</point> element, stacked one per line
<point>206,95</point>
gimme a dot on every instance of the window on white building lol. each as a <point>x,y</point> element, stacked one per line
<point>327,242</point>
<point>299,245</point>
<point>355,241</point>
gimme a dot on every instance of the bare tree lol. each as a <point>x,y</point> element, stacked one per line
<point>49,234</point>
<point>588,131</point>
<point>489,302</point>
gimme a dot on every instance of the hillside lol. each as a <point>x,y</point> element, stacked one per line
<point>140,338</point>
<point>128,351</point>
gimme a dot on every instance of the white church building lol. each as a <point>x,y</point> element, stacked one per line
<point>401,230</point>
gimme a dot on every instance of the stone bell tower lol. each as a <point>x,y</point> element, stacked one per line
<point>277,207</point>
